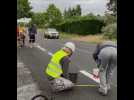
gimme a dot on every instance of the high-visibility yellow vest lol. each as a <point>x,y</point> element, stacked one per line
<point>21,29</point>
<point>54,68</point>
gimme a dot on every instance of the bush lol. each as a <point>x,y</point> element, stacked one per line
<point>81,25</point>
<point>39,19</point>
<point>110,31</point>
<point>108,19</point>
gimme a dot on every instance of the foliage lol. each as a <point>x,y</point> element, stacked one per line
<point>54,15</point>
<point>110,31</point>
<point>40,19</point>
<point>108,19</point>
<point>81,25</point>
<point>71,12</point>
<point>23,9</point>
<point>112,6</point>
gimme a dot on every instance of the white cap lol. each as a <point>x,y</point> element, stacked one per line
<point>70,45</point>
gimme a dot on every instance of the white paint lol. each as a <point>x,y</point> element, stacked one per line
<point>44,50</point>
<point>26,71</point>
<point>20,65</point>
<point>23,68</point>
<point>38,46</point>
<point>90,76</point>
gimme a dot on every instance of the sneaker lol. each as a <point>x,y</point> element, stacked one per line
<point>30,46</point>
<point>108,87</point>
<point>102,92</point>
<point>34,44</point>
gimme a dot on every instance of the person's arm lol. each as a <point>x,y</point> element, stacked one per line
<point>95,54</point>
<point>65,66</point>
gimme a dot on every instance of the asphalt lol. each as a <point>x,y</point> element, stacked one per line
<point>36,61</point>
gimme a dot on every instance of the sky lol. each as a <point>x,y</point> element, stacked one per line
<point>94,6</point>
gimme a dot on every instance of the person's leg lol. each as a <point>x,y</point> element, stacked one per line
<point>33,40</point>
<point>67,83</point>
<point>104,61</point>
<point>110,70</point>
<point>102,75</point>
<point>23,40</point>
<point>18,42</point>
<point>30,41</point>
<point>61,84</point>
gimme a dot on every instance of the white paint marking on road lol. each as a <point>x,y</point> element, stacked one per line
<point>38,46</point>
<point>90,76</point>
<point>43,49</point>
<point>27,71</point>
<point>20,64</point>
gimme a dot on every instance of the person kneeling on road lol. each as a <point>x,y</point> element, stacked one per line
<point>105,56</point>
<point>57,69</point>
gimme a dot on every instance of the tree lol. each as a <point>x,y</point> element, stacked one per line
<point>108,19</point>
<point>91,14</point>
<point>54,15</point>
<point>40,19</point>
<point>71,12</point>
<point>110,31</point>
<point>23,9</point>
<point>65,14</point>
<point>112,6</point>
<point>78,10</point>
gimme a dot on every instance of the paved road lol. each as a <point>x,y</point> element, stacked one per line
<point>26,86</point>
<point>36,60</point>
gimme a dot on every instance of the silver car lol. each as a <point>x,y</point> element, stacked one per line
<point>51,33</point>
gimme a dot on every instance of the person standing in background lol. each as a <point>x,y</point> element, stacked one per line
<point>32,32</point>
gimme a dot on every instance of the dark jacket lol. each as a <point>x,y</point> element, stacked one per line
<point>32,30</point>
<point>65,66</point>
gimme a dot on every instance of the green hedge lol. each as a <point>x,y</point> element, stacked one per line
<point>82,26</point>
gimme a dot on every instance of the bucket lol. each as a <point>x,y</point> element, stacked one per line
<point>73,77</point>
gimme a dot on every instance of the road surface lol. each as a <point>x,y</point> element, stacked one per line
<point>37,58</point>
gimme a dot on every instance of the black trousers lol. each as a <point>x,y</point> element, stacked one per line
<point>31,38</point>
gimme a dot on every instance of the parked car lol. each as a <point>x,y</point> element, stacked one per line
<point>51,33</point>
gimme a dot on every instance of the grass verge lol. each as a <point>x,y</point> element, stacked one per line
<point>88,38</point>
